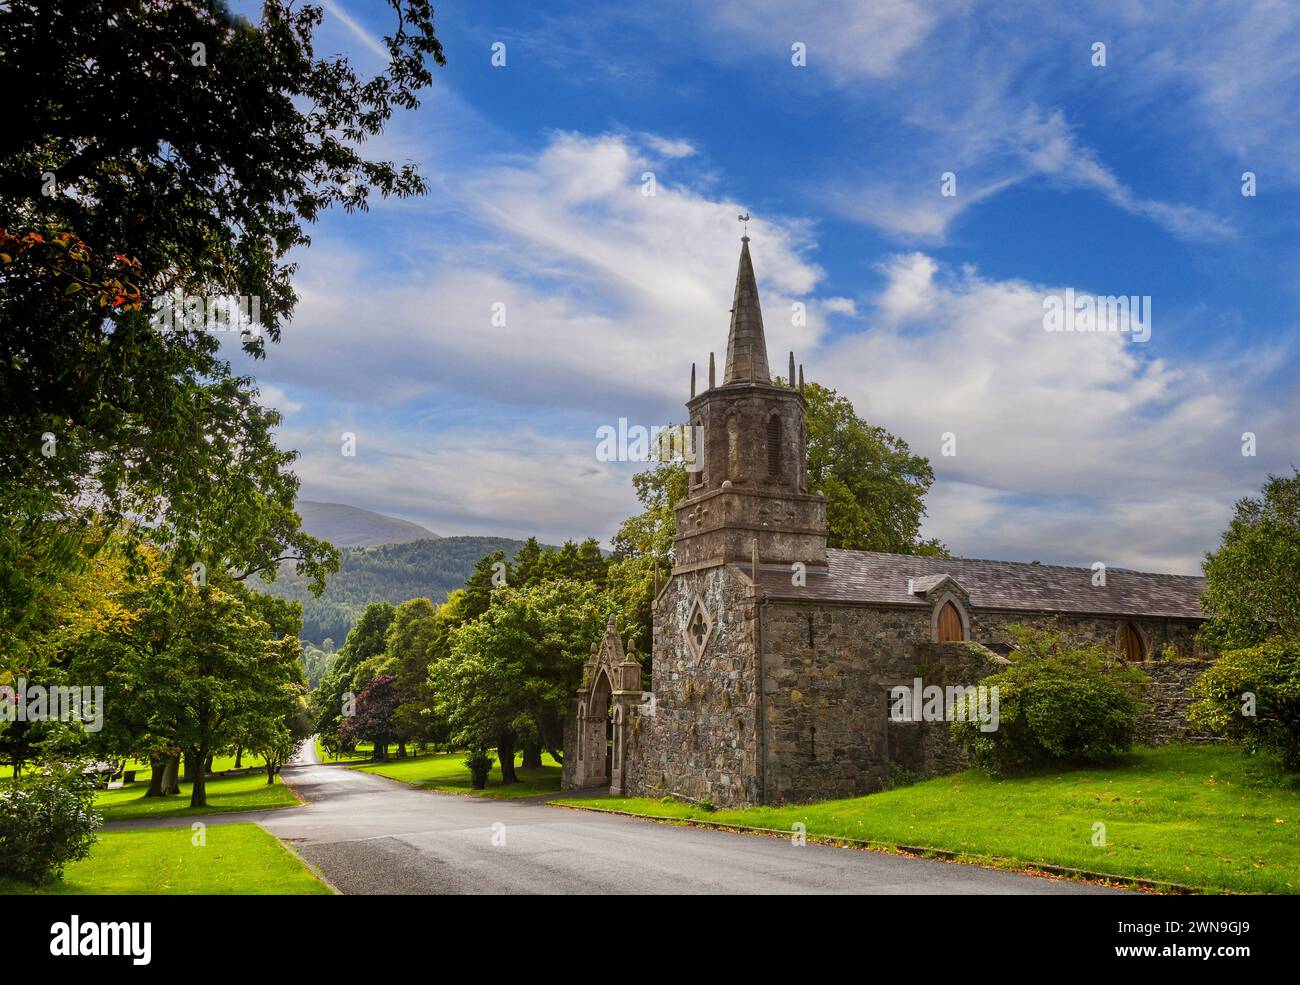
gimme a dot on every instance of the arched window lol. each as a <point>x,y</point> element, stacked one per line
<point>774,445</point>
<point>696,437</point>
<point>1131,647</point>
<point>950,629</point>
<point>733,448</point>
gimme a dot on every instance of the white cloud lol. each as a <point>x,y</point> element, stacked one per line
<point>1070,447</point>
<point>467,480</point>
<point>1052,150</point>
<point>852,40</point>
<point>669,148</point>
<point>370,41</point>
<point>270,395</point>
<point>608,294</point>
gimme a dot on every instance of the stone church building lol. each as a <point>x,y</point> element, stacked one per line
<point>773,655</point>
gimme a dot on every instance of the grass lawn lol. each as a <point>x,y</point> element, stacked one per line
<point>364,750</point>
<point>447,772</point>
<point>236,793</point>
<point>238,858</point>
<point>1203,816</point>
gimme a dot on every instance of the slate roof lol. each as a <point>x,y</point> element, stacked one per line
<point>867,576</point>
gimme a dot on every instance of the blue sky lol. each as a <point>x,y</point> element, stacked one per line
<point>925,309</point>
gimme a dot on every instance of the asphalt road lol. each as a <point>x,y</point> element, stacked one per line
<point>370,835</point>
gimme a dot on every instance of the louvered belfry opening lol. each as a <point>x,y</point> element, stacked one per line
<point>950,624</point>
<point>774,445</point>
<point>1130,644</point>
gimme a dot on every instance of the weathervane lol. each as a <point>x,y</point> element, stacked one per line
<point>745,219</point>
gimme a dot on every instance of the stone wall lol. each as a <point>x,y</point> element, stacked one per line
<point>990,627</point>
<point>826,671</point>
<point>826,676</point>
<point>1168,697</point>
<point>700,741</point>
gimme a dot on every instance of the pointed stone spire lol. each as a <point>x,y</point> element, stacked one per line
<point>746,348</point>
<point>713,374</point>
<point>693,378</point>
<point>789,380</point>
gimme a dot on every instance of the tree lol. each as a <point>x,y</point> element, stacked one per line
<point>417,628</point>
<point>509,675</point>
<point>874,486</point>
<point>367,640</point>
<point>1252,696</point>
<point>79,602</point>
<point>278,743</point>
<point>190,666</point>
<point>165,150</point>
<point>489,574</point>
<point>650,533</point>
<point>526,566</point>
<point>373,721</point>
<point>185,148</point>
<point>317,661</point>
<point>1252,582</point>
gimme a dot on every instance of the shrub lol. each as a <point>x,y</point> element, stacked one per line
<point>1270,672</point>
<point>47,819</point>
<point>480,764</point>
<point>1057,702</point>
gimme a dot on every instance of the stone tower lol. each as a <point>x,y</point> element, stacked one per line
<point>754,482</point>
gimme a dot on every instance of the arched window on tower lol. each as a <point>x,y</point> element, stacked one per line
<point>774,445</point>
<point>696,439</point>
<point>733,448</point>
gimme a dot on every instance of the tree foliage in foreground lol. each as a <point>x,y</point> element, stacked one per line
<point>47,820</point>
<point>1252,696</point>
<point>159,149</point>
<point>1252,582</point>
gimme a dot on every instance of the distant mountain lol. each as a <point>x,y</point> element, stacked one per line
<point>388,573</point>
<point>350,526</point>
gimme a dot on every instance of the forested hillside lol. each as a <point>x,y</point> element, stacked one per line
<point>388,573</point>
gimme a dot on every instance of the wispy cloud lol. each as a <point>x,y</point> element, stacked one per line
<point>371,41</point>
<point>965,83</point>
